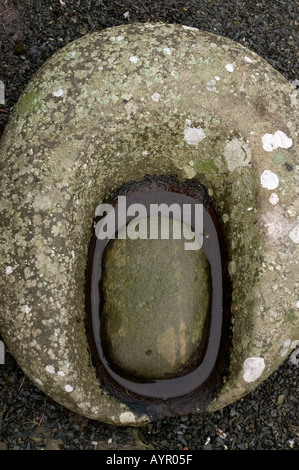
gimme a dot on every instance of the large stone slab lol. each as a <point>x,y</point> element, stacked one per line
<point>113,107</point>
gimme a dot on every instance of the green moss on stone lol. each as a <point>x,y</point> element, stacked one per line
<point>29,103</point>
<point>280,157</point>
<point>206,166</point>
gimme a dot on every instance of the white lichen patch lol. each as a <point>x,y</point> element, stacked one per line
<point>190,28</point>
<point>167,51</point>
<point>38,382</point>
<point>294,358</point>
<point>229,67</point>
<point>289,346</point>
<point>274,141</point>
<point>193,135</point>
<point>189,171</point>
<point>276,225</point>
<point>61,373</point>
<point>8,270</point>
<point>42,203</point>
<point>237,154</point>
<point>156,97</point>
<point>294,234</point>
<point>274,199</point>
<point>247,59</point>
<point>295,93</point>
<point>58,93</point>
<point>27,309</point>
<point>232,267</point>
<point>253,368</point>
<point>295,83</point>
<point>117,38</point>
<point>131,109</point>
<point>294,98</point>
<point>73,254</point>
<point>50,370</point>
<point>68,388</point>
<point>127,418</point>
<point>286,346</point>
<point>269,180</point>
<point>134,59</point>
<point>211,85</point>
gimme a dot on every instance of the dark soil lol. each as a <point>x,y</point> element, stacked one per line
<point>30,32</point>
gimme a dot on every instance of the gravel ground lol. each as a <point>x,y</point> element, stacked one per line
<point>30,32</point>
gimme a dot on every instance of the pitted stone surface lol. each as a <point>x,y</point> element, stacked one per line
<point>88,123</point>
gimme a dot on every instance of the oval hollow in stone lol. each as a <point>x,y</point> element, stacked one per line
<point>114,332</point>
<point>155,304</point>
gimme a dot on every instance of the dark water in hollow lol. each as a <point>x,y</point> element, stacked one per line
<point>158,192</point>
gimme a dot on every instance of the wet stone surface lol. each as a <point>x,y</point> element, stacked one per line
<point>156,300</point>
